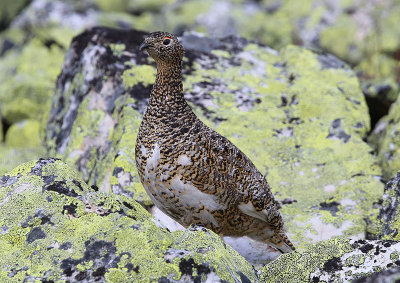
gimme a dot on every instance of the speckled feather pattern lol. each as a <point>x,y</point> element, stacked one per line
<point>191,172</point>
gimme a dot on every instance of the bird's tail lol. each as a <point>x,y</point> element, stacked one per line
<point>281,242</point>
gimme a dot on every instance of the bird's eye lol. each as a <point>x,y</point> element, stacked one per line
<point>166,40</point>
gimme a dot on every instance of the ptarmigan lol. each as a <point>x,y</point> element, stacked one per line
<point>192,173</point>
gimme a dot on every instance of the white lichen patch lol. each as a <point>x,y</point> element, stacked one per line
<point>368,257</point>
<point>320,230</point>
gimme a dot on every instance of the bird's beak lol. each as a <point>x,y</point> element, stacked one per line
<point>144,45</point>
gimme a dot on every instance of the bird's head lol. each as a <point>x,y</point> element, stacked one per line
<point>164,47</point>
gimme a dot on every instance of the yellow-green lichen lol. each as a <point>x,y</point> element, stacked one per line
<point>394,256</point>
<point>297,266</point>
<point>355,260</point>
<point>11,157</point>
<point>24,134</point>
<point>275,29</point>
<point>139,74</point>
<point>185,14</point>
<point>340,39</point>
<point>86,126</point>
<point>27,80</point>
<point>124,138</point>
<point>53,228</point>
<point>117,49</point>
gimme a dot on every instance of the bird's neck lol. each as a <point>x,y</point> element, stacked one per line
<point>168,89</point>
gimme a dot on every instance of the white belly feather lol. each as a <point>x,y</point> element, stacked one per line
<point>163,193</point>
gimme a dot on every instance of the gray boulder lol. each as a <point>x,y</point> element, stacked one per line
<point>55,227</point>
<point>386,224</point>
<point>385,138</point>
<point>335,260</point>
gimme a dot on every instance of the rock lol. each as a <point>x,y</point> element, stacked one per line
<point>107,156</point>
<point>1,132</point>
<point>23,134</point>
<point>55,227</point>
<point>335,260</point>
<point>380,96</point>
<point>9,9</point>
<point>11,157</point>
<point>390,275</point>
<point>50,15</point>
<point>300,117</point>
<point>22,144</point>
<point>364,33</point>
<point>386,140</point>
<point>386,224</point>
<point>27,81</point>
<point>31,56</point>
<point>28,69</point>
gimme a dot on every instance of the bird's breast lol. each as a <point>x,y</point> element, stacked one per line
<point>167,181</point>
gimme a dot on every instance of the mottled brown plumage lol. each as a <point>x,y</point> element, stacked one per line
<point>191,172</point>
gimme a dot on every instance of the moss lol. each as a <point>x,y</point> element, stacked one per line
<point>24,134</point>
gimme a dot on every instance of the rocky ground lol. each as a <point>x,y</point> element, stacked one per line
<point>303,116</point>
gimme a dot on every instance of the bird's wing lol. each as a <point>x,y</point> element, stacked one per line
<point>256,198</point>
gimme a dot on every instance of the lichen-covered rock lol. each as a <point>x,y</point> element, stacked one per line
<point>94,118</point>
<point>48,15</point>
<point>23,134</point>
<point>386,140</point>
<point>386,224</point>
<point>27,80</point>
<point>9,9</point>
<point>1,132</point>
<point>31,55</point>
<point>55,227</point>
<point>28,69</point>
<point>300,117</point>
<point>391,275</point>
<point>364,33</point>
<point>22,144</point>
<point>335,260</point>
<point>11,157</point>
